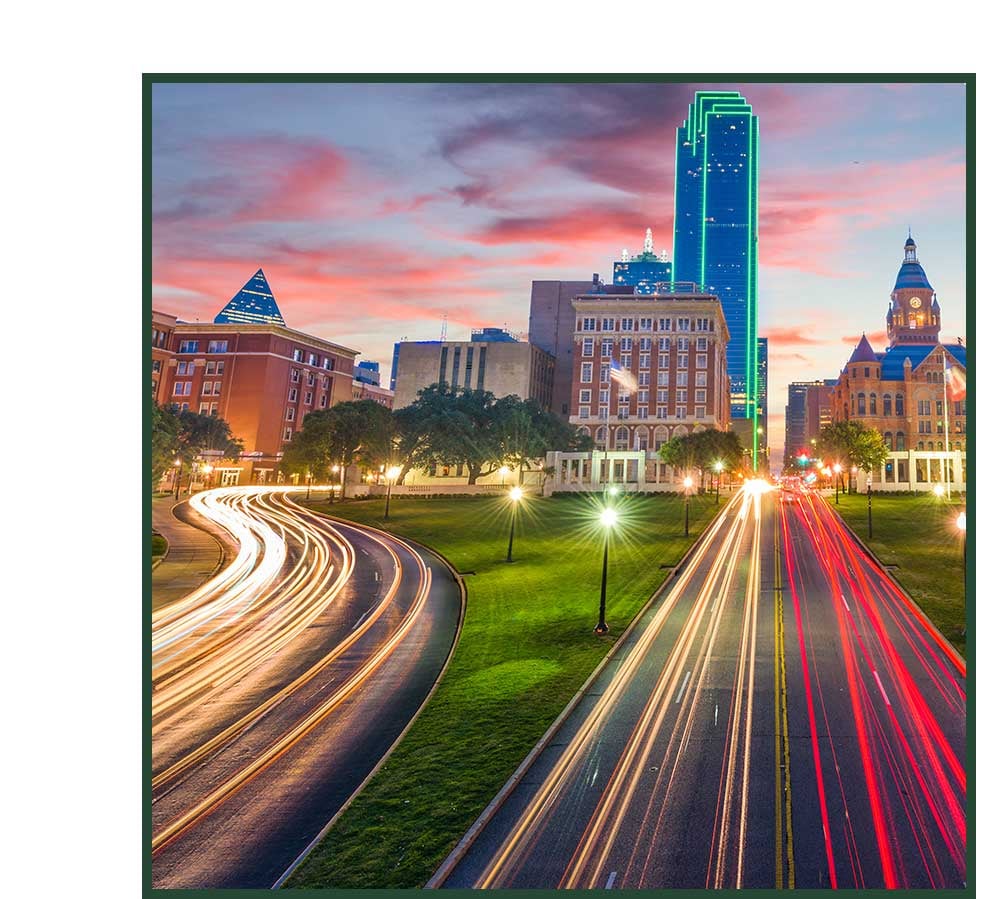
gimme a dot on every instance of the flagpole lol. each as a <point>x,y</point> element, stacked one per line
<point>946,430</point>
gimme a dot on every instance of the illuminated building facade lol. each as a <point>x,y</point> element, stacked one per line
<point>646,272</point>
<point>715,227</point>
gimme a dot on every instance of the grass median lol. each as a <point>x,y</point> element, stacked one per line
<point>917,533</point>
<point>526,646</point>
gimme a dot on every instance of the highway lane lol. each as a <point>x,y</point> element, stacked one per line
<point>781,717</point>
<point>279,684</point>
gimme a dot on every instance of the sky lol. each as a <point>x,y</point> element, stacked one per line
<point>375,210</point>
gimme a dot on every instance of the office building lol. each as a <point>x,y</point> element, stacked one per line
<point>647,368</point>
<point>808,411</point>
<point>368,373</point>
<point>646,272</point>
<point>503,367</point>
<point>715,227</point>
<point>552,328</point>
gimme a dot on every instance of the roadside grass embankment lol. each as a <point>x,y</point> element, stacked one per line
<point>917,533</point>
<point>159,547</point>
<point>526,646</point>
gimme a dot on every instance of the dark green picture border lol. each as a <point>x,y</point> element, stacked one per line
<point>148,80</point>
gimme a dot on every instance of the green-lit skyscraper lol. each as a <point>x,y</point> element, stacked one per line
<point>715,229</point>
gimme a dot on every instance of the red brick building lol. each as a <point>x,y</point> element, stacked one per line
<point>650,367</point>
<point>263,379</point>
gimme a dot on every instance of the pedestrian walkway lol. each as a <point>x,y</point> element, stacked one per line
<point>197,549</point>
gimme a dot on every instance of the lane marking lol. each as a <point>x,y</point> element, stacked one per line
<point>882,689</point>
<point>841,596</point>
<point>610,880</point>
<point>683,687</point>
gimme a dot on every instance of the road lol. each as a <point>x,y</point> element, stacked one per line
<point>783,716</point>
<point>279,684</point>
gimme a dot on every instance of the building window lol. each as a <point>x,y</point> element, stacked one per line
<point>188,346</point>
<point>861,404</point>
<point>664,324</point>
<point>308,397</point>
<point>698,411</point>
<point>700,396</point>
<point>899,441</point>
<point>645,324</point>
<point>287,434</point>
<point>683,324</point>
<point>604,396</point>
<point>867,372</point>
<point>323,400</point>
<point>662,379</point>
<point>584,411</point>
<point>589,324</point>
<point>644,360</point>
<point>602,413</point>
<point>621,439</point>
<point>584,396</point>
<point>664,345</point>
<point>662,396</point>
<point>681,379</point>
<point>313,359</point>
<point>702,344</point>
<point>702,325</point>
<point>681,411</point>
<point>182,388</point>
<point>886,404</point>
<point>185,368</point>
<point>289,414</point>
<point>293,395</point>
<point>643,396</point>
<point>156,364</point>
<point>643,411</point>
<point>626,360</point>
<point>644,344</point>
<point>923,407</point>
<point>295,375</point>
<point>681,396</point>
<point>682,360</point>
<point>888,440</point>
<point>604,374</point>
<point>622,411</point>
<point>218,346</point>
<point>701,360</point>
<point>701,379</point>
<point>297,355</point>
<point>606,349</point>
<point>203,409</point>
<point>586,373</point>
<point>311,379</point>
<point>899,404</point>
<point>588,346</point>
<point>206,388</point>
<point>607,324</point>
<point>625,344</point>
<point>643,379</point>
<point>662,412</point>
<point>874,404</point>
<point>627,324</point>
<point>683,344</point>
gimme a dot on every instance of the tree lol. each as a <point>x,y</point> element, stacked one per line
<point>188,435</point>
<point>702,449</point>
<point>852,443</point>
<point>527,431</point>
<point>164,440</point>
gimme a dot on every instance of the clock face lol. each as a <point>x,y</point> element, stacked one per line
<point>915,302</point>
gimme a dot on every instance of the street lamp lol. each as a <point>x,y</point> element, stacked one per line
<point>504,471</point>
<point>837,468</point>
<point>719,468</point>
<point>176,479</point>
<point>308,485</point>
<point>390,476</point>
<point>207,471</point>
<point>938,490</point>
<point>334,469</point>
<point>870,521</point>
<point>688,482</point>
<point>608,518</point>
<point>515,494</point>
<point>962,526</point>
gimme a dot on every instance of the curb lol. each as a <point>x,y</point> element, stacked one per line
<point>463,591</point>
<point>222,548</point>
<point>948,647</point>
<point>463,845</point>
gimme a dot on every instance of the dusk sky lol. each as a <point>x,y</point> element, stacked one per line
<point>374,210</point>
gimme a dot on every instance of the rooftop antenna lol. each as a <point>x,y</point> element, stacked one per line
<point>444,328</point>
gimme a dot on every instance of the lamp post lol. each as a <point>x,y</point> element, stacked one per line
<point>333,469</point>
<point>207,471</point>
<point>870,521</point>
<point>608,518</point>
<point>853,474</point>
<point>504,471</point>
<point>308,485</point>
<point>390,477</point>
<point>688,482</point>
<point>837,468</point>
<point>719,467</point>
<point>177,470</point>
<point>962,526</point>
<point>515,494</point>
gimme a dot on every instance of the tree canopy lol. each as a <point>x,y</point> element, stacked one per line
<point>702,450</point>
<point>852,443</point>
<point>188,435</point>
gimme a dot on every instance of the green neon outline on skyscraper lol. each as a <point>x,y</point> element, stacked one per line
<point>690,257</point>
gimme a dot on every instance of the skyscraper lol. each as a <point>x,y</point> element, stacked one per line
<point>253,305</point>
<point>645,271</point>
<point>715,227</point>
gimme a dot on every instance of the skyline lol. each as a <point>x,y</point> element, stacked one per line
<point>374,210</point>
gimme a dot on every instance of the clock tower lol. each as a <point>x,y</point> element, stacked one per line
<point>914,314</point>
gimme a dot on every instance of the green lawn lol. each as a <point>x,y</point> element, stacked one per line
<point>918,534</point>
<point>526,646</point>
<point>159,546</point>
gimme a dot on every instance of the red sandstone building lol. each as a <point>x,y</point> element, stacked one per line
<point>263,379</point>
<point>648,367</point>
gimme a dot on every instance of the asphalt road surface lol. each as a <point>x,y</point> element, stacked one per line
<point>782,717</point>
<point>279,684</point>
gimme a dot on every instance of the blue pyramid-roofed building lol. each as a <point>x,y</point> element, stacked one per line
<point>253,305</point>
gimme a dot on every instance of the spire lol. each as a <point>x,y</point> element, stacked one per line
<point>864,351</point>
<point>648,241</point>
<point>253,305</point>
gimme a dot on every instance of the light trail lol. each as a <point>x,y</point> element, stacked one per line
<point>215,640</point>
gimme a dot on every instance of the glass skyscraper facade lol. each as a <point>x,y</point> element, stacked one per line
<point>715,226</point>
<point>253,305</point>
<point>646,272</point>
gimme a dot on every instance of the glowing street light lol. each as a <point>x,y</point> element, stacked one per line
<point>688,482</point>
<point>504,471</point>
<point>938,490</point>
<point>719,468</point>
<point>837,468</point>
<point>962,522</point>
<point>207,470</point>
<point>333,487</point>
<point>515,495</point>
<point>608,518</point>
<point>390,477</point>
<point>176,479</point>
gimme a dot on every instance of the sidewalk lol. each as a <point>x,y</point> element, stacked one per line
<point>196,551</point>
